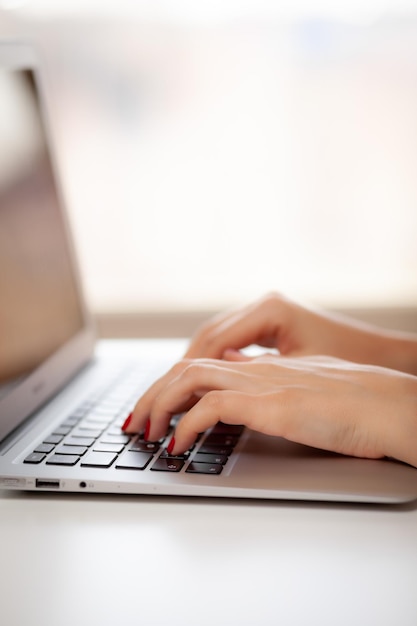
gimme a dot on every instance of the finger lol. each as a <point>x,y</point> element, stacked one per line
<point>194,382</point>
<point>230,407</point>
<point>197,346</point>
<point>258,323</point>
<point>142,409</point>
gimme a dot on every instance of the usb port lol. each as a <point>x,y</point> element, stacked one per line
<point>47,484</point>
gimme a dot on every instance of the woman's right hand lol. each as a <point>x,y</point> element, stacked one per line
<point>319,401</point>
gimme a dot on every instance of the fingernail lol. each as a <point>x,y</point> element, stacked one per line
<point>171,445</point>
<point>147,430</point>
<point>127,421</point>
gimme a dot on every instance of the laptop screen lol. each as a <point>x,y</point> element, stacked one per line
<point>39,304</point>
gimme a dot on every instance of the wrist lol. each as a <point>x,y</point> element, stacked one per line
<point>401,430</point>
<point>399,351</point>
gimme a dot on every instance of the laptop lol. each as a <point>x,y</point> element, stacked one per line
<point>64,395</point>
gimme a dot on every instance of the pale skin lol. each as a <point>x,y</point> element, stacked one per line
<point>331,383</point>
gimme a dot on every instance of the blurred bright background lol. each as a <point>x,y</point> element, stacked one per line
<point>214,150</point>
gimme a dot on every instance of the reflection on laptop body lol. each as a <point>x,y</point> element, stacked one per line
<point>63,397</point>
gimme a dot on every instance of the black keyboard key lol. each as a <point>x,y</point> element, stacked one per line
<point>100,419</point>
<point>123,439</point>
<point>44,448</point>
<point>113,431</point>
<point>80,411</point>
<point>99,459</point>
<point>106,411</point>
<point>62,430</point>
<point>145,446</point>
<point>83,432</point>
<point>108,447</point>
<point>221,440</point>
<point>227,429</point>
<point>79,441</point>
<point>87,425</point>
<point>141,437</point>
<point>75,417</point>
<point>134,460</point>
<point>54,439</point>
<point>224,450</point>
<point>165,454</point>
<point>71,421</point>
<point>35,458</point>
<point>217,459</point>
<point>168,464</point>
<point>204,468</point>
<point>77,450</point>
<point>62,459</point>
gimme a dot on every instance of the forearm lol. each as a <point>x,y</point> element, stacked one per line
<point>395,350</point>
<point>363,343</point>
<point>400,425</point>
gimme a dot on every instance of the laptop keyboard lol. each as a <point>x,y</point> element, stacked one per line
<point>91,436</point>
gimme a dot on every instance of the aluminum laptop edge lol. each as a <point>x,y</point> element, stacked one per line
<point>52,369</point>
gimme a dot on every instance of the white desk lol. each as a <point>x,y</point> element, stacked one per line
<point>69,560</point>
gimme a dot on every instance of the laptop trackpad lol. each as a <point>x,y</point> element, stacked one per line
<point>266,462</point>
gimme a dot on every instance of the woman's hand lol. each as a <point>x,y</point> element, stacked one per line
<point>276,322</point>
<point>335,405</point>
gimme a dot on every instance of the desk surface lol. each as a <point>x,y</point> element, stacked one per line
<point>72,560</point>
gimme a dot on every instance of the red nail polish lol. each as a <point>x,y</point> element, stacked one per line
<point>147,430</point>
<point>171,445</point>
<point>127,421</point>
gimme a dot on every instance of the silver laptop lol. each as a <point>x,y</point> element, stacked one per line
<point>64,396</point>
